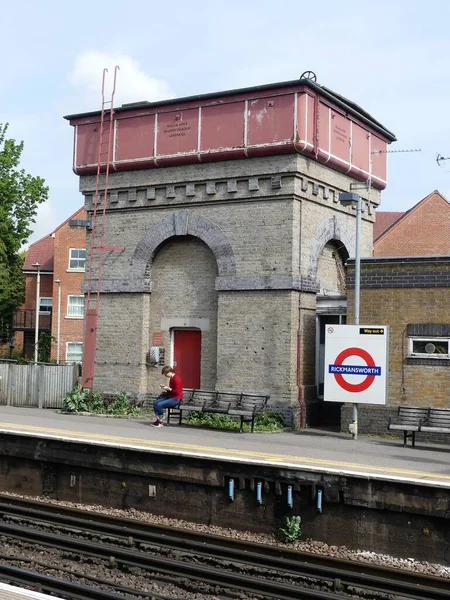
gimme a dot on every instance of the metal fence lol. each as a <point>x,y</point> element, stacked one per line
<point>35,385</point>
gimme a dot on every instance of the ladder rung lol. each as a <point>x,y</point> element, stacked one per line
<point>110,248</point>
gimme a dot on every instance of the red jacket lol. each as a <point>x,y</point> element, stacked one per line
<point>176,386</point>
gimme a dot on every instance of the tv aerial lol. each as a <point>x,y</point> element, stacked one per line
<point>376,152</point>
<point>441,159</point>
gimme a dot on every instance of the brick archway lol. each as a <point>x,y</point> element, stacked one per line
<point>181,223</point>
<point>333,229</point>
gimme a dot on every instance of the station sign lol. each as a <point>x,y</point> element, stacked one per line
<point>356,363</point>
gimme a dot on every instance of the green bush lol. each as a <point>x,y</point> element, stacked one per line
<point>83,400</point>
<point>267,421</point>
<point>292,529</point>
<point>17,354</point>
<point>23,361</point>
<point>212,420</point>
<point>45,347</point>
<point>122,406</point>
<point>77,400</point>
<point>97,405</point>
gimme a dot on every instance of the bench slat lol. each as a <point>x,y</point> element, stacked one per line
<point>402,427</point>
<point>435,429</point>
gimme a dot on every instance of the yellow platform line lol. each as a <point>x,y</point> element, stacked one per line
<point>227,452</point>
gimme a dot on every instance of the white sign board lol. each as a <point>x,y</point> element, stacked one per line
<point>356,363</point>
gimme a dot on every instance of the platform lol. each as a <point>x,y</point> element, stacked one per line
<point>10,592</point>
<point>307,450</point>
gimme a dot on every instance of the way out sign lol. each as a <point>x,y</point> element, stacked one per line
<point>356,363</point>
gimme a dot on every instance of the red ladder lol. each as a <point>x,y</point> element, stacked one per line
<point>97,247</point>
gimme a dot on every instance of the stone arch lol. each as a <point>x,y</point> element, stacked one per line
<point>333,229</point>
<point>181,223</point>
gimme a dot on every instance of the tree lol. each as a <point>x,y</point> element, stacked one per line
<point>20,195</point>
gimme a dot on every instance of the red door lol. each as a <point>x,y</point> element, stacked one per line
<point>187,352</point>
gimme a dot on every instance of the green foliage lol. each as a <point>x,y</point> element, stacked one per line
<point>17,354</point>
<point>21,360</point>
<point>20,195</point>
<point>97,405</point>
<point>77,400</point>
<point>292,529</point>
<point>122,406</point>
<point>212,420</point>
<point>45,347</point>
<point>267,421</point>
<point>82,400</point>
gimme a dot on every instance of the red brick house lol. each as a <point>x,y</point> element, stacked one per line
<point>61,256</point>
<point>423,230</point>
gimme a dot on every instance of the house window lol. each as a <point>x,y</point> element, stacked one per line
<point>45,306</point>
<point>77,259</point>
<point>74,352</point>
<point>433,348</point>
<point>75,307</point>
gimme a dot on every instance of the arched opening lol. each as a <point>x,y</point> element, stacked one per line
<point>331,309</point>
<point>331,270</point>
<point>183,299</point>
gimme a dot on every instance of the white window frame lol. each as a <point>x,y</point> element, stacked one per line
<point>77,269</point>
<point>430,340</point>
<point>49,306</point>
<point>68,315</point>
<point>67,352</point>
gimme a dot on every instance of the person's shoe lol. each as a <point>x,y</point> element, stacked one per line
<point>157,424</point>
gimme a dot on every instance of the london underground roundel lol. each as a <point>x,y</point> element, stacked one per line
<point>370,370</point>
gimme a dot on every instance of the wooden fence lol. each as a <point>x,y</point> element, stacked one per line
<point>35,385</point>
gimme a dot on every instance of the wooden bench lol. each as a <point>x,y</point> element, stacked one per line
<point>247,407</point>
<point>409,420</point>
<point>437,421</point>
<point>244,406</point>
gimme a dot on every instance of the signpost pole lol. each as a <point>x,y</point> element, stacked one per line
<point>352,199</point>
<point>357,294</point>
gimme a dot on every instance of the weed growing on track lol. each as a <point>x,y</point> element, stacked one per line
<point>292,530</point>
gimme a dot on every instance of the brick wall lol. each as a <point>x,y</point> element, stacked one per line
<point>45,289</point>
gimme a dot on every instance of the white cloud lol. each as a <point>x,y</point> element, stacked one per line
<point>133,84</point>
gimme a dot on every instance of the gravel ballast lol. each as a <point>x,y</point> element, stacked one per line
<point>307,545</point>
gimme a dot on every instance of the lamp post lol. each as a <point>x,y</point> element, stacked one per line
<point>58,334</point>
<point>37,266</point>
<point>352,199</point>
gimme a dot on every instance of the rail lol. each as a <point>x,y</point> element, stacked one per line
<point>335,574</point>
<point>47,584</point>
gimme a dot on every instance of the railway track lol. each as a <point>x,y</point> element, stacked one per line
<point>46,584</point>
<point>250,567</point>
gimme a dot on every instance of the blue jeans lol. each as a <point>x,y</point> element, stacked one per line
<point>161,403</point>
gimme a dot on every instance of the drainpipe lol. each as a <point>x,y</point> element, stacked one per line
<point>299,386</point>
<point>316,126</point>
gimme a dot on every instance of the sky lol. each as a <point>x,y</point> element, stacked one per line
<point>391,58</point>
